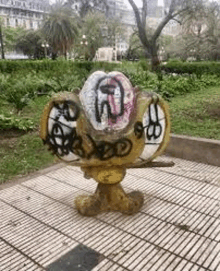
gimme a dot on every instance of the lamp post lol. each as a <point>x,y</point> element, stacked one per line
<point>84,44</point>
<point>45,46</point>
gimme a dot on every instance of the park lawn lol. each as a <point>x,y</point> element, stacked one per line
<point>23,152</point>
<point>197,114</point>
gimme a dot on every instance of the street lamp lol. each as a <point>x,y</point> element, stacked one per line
<point>45,46</point>
<point>84,43</point>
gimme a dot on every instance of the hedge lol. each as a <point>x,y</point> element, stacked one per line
<point>9,66</point>
<point>197,68</point>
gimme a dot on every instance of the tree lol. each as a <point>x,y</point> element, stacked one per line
<point>11,36</point>
<point>200,35</point>
<point>176,11</point>
<point>59,28</point>
<point>8,37</point>
<point>30,43</point>
<point>1,41</point>
<point>135,49</point>
<point>85,6</point>
<point>212,33</point>
<point>99,31</point>
<point>91,28</point>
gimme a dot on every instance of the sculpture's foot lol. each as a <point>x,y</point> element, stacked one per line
<point>88,205</point>
<point>136,200</point>
<point>110,197</point>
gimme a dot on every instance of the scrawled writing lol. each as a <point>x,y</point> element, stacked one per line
<point>104,150</point>
<point>154,128</point>
<point>62,144</point>
<point>62,136</point>
<point>109,102</point>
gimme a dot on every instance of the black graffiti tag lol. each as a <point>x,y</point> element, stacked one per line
<point>104,150</point>
<point>69,110</point>
<point>63,144</point>
<point>102,101</point>
<point>64,139</point>
<point>154,129</point>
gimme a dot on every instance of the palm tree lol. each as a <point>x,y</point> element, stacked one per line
<point>59,28</point>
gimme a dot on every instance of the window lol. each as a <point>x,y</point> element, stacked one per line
<point>16,22</point>
<point>31,24</point>
<point>24,23</point>
<point>8,22</point>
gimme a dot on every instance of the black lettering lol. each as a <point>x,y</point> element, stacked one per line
<point>108,89</point>
<point>154,128</point>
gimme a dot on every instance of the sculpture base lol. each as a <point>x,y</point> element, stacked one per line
<point>109,197</point>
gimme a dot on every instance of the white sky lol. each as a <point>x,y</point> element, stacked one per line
<point>137,2</point>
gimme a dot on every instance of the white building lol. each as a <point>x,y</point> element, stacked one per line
<point>23,13</point>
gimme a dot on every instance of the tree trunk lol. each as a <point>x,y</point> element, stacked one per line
<point>2,43</point>
<point>155,62</point>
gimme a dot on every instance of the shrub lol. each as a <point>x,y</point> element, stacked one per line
<point>197,68</point>
<point>13,122</point>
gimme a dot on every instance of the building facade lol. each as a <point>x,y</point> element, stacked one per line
<point>23,13</point>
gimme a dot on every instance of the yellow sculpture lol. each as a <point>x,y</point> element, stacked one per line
<point>108,127</point>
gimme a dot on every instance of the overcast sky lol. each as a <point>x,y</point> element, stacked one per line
<point>138,2</point>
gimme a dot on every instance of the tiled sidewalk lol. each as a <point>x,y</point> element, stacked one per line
<point>178,227</point>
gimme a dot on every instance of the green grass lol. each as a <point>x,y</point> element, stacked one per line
<point>197,114</point>
<point>23,152</point>
<point>22,155</point>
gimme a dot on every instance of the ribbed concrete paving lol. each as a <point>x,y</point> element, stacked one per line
<point>178,227</point>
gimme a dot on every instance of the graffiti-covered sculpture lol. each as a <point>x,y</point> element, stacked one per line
<point>108,127</point>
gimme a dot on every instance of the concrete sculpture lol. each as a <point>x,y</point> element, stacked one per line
<point>109,127</point>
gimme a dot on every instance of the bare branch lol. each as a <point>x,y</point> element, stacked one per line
<point>141,27</point>
<point>144,12</point>
<point>161,26</point>
<point>178,21</point>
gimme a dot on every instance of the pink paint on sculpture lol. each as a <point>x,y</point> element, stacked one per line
<point>108,100</point>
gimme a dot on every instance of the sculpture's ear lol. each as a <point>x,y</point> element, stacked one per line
<point>57,99</point>
<point>58,125</point>
<point>153,113</point>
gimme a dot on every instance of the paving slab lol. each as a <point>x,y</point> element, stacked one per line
<point>178,228</point>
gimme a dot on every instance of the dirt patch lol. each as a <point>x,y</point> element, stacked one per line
<point>12,133</point>
<point>8,138</point>
<point>213,112</point>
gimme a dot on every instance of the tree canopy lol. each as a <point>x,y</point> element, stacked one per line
<point>59,28</point>
<point>200,35</point>
<point>30,43</point>
<point>176,11</point>
<point>86,6</point>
